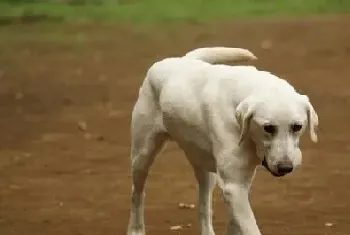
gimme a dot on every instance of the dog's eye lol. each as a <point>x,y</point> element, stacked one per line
<point>296,127</point>
<point>271,129</point>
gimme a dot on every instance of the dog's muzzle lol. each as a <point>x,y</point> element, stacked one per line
<point>281,171</point>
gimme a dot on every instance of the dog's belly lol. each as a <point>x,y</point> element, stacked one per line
<point>194,142</point>
<point>199,156</point>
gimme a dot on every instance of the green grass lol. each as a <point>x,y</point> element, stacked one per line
<point>149,11</point>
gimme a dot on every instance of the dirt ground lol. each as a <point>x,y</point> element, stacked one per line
<point>57,179</point>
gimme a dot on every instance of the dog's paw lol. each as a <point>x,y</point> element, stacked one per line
<point>135,231</point>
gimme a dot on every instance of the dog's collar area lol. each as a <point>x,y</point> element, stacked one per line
<point>264,164</point>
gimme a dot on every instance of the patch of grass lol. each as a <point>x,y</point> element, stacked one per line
<point>149,11</point>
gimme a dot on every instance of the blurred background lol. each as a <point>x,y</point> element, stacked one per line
<point>70,72</point>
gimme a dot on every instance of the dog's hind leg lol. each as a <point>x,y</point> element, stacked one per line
<point>206,183</point>
<point>147,139</point>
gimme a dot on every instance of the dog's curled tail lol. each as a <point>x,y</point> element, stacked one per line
<point>214,55</point>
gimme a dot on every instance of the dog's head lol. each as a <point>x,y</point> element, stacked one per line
<point>275,124</point>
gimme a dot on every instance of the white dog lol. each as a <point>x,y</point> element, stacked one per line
<point>227,119</point>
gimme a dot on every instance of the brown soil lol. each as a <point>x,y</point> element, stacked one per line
<point>56,179</point>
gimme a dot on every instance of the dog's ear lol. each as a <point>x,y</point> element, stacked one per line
<point>244,113</point>
<point>312,117</point>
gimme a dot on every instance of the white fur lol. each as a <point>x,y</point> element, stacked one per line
<point>216,114</point>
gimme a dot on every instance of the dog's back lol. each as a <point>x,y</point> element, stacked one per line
<point>192,63</point>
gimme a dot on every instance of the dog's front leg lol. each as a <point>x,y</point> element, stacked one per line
<point>235,181</point>
<point>206,182</point>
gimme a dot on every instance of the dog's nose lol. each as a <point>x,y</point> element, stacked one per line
<point>284,168</point>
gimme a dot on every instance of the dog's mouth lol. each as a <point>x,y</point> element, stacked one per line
<point>264,163</point>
